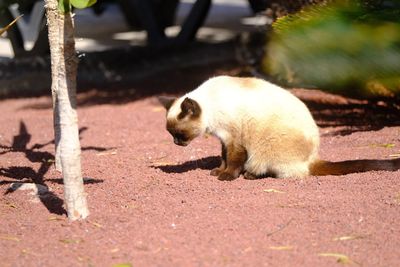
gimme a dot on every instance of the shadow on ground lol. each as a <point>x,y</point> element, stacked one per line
<point>330,168</point>
<point>356,117</point>
<point>27,174</point>
<point>118,74</point>
<point>207,163</point>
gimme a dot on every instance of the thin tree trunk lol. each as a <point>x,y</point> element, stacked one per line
<point>64,67</point>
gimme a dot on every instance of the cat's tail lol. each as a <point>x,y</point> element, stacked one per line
<point>322,167</point>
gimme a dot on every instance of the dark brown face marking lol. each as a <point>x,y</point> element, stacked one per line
<point>166,101</point>
<point>190,108</point>
<point>181,137</point>
<point>183,132</point>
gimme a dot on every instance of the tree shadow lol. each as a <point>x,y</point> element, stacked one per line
<point>86,180</point>
<point>20,144</point>
<point>51,201</point>
<point>27,174</point>
<point>207,163</point>
<point>351,115</point>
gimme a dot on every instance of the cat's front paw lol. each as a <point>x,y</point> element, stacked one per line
<point>215,172</point>
<point>225,176</point>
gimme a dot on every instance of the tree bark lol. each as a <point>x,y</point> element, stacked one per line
<point>64,65</point>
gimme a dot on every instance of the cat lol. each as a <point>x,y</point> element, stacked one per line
<point>263,128</point>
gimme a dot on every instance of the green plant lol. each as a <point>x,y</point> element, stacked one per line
<point>66,5</point>
<point>348,47</point>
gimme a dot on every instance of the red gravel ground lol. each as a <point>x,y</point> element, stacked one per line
<point>154,204</point>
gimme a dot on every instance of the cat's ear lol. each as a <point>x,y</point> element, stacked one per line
<point>166,101</point>
<point>190,107</point>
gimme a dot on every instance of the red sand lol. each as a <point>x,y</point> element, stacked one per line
<point>154,204</point>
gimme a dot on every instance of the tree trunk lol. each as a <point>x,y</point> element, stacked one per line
<point>64,65</point>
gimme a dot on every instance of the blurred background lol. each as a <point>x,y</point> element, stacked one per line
<point>346,47</point>
<point>115,24</point>
<point>119,42</point>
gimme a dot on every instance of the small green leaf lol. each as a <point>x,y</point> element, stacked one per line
<point>64,6</point>
<point>82,3</point>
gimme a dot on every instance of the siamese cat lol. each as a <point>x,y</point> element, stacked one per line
<point>263,128</point>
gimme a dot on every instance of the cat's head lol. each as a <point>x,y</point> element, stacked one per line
<point>184,119</point>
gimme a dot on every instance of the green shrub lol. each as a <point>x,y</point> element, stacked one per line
<point>347,47</point>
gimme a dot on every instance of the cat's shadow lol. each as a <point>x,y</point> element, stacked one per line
<point>207,163</point>
<point>356,166</point>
